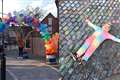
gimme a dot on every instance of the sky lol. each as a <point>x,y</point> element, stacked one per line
<point>12,5</point>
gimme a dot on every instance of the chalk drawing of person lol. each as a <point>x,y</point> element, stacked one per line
<point>93,41</point>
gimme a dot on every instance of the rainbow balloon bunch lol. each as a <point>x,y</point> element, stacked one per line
<point>52,44</point>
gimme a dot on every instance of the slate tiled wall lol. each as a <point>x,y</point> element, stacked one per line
<point>73,31</point>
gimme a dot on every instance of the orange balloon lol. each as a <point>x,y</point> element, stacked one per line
<point>52,44</point>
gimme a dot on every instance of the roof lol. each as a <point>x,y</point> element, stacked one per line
<point>49,14</point>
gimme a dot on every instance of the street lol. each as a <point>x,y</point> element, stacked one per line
<point>8,76</point>
<point>29,69</point>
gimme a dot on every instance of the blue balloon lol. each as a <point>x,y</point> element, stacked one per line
<point>2,27</point>
<point>43,26</point>
<point>21,15</point>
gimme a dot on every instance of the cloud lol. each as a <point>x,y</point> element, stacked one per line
<point>51,8</point>
<point>47,5</point>
<point>10,6</point>
<point>36,3</point>
<point>0,9</point>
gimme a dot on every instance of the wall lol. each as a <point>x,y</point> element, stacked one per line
<point>54,25</point>
<point>38,48</point>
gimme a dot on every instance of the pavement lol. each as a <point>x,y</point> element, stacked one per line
<point>114,77</point>
<point>29,69</point>
<point>33,69</point>
<point>8,76</point>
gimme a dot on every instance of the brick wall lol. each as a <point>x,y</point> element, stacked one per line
<point>54,24</point>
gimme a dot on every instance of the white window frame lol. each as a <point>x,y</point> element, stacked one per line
<point>50,20</point>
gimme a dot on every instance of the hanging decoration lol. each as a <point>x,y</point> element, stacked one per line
<point>21,20</point>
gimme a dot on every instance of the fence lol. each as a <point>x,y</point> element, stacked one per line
<point>73,31</point>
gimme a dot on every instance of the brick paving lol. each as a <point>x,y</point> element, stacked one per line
<point>74,31</point>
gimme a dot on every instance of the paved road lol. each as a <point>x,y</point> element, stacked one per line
<point>29,69</point>
<point>8,76</point>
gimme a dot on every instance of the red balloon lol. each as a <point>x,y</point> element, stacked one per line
<point>35,22</point>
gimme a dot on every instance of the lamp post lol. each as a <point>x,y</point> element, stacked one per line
<point>2,8</point>
<point>3,59</point>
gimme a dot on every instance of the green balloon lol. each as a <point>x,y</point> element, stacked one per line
<point>47,37</point>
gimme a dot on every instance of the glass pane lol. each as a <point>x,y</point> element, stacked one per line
<point>49,21</point>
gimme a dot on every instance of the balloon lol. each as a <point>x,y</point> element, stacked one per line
<point>21,15</point>
<point>53,44</point>
<point>30,21</point>
<point>9,14</point>
<point>43,27</point>
<point>35,22</point>
<point>26,19</point>
<point>5,17</point>
<point>2,26</point>
<point>14,19</point>
<point>46,37</point>
<point>56,36</point>
<point>20,18</point>
<point>45,34</point>
<point>49,48</point>
<point>15,13</point>
<point>37,29</point>
<point>43,30</point>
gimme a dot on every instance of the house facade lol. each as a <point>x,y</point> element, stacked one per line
<point>52,22</point>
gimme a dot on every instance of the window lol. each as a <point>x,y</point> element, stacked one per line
<point>50,29</point>
<point>49,21</point>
